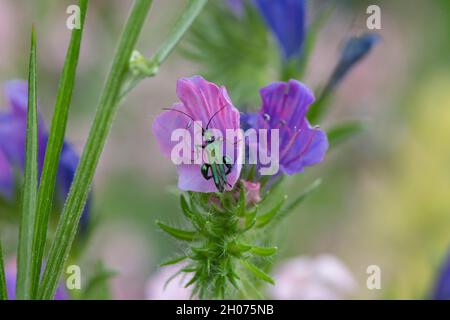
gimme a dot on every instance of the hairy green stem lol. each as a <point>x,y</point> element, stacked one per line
<point>100,129</point>
<point>193,9</point>
<point>54,147</point>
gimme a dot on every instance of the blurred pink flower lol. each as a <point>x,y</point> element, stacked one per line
<point>252,191</point>
<point>305,278</point>
<point>159,288</point>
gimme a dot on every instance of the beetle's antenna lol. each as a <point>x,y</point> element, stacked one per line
<point>182,112</point>
<point>209,122</point>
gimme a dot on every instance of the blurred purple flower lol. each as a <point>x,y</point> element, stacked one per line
<point>442,287</point>
<point>10,276</point>
<point>236,6</point>
<point>320,278</point>
<point>12,144</point>
<point>252,192</point>
<point>286,20</point>
<point>200,101</point>
<point>284,107</point>
<point>6,177</point>
<point>355,49</point>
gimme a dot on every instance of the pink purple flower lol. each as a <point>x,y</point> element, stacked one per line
<point>284,107</point>
<point>206,102</point>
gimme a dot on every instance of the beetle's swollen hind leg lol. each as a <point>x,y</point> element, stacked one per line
<point>228,165</point>
<point>205,169</point>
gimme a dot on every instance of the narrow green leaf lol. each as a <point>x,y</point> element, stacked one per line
<point>178,233</point>
<point>264,251</point>
<point>237,248</point>
<point>101,126</point>
<point>30,184</point>
<point>54,146</point>
<point>258,272</point>
<point>294,204</point>
<point>3,290</point>
<point>185,207</point>
<point>173,261</point>
<point>242,202</point>
<point>265,218</point>
<point>344,131</point>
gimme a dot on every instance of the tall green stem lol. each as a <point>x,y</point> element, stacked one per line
<point>100,129</point>
<point>54,146</point>
<point>193,9</point>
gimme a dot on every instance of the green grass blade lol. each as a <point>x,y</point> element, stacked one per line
<point>30,185</point>
<point>101,126</point>
<point>3,290</point>
<point>54,146</point>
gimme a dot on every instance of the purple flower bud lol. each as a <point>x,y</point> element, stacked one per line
<point>354,50</point>
<point>286,20</point>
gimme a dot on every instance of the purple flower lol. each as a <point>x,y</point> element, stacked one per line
<point>11,275</point>
<point>442,287</point>
<point>284,107</point>
<point>286,19</point>
<point>12,144</point>
<point>206,102</point>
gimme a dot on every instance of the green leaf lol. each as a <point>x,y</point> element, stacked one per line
<point>54,146</point>
<point>101,126</point>
<point>258,272</point>
<point>185,207</point>
<point>344,131</point>
<point>3,290</point>
<point>237,248</point>
<point>294,204</point>
<point>178,233</point>
<point>265,218</point>
<point>30,184</point>
<point>264,251</point>
<point>242,202</point>
<point>173,261</point>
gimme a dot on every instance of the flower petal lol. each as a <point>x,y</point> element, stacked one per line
<point>286,19</point>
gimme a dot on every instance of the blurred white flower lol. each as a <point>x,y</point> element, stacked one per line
<point>303,278</point>
<point>158,288</point>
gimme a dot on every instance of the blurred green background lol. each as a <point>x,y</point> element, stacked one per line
<point>385,197</point>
